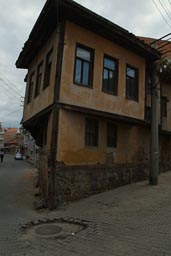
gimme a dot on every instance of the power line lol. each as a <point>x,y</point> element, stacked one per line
<point>9,114</point>
<point>156,40</point>
<point>166,6</point>
<point>8,90</point>
<point>163,44</point>
<point>9,85</point>
<point>161,14</point>
<point>10,82</point>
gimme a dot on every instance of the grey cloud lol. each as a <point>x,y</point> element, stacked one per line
<point>16,20</point>
<point>139,17</point>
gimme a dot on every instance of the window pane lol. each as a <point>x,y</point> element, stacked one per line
<point>78,71</point>
<point>131,72</point>
<point>111,135</point>
<point>83,54</point>
<point>111,81</point>
<point>85,73</point>
<point>105,79</point>
<point>111,75</point>
<point>49,57</point>
<point>91,132</point>
<point>30,88</point>
<point>148,113</point>
<point>110,64</point>
<point>83,66</point>
<point>127,87</point>
<point>105,74</point>
<point>40,69</point>
<point>132,83</point>
<point>48,69</point>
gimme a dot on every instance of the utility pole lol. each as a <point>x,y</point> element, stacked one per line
<point>153,177</point>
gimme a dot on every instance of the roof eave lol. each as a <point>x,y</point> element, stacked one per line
<point>90,20</point>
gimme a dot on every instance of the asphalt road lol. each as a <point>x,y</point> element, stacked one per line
<point>16,189</point>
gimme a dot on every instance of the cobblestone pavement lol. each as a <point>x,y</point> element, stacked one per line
<point>134,220</point>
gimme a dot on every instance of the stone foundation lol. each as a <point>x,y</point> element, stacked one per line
<point>44,174</point>
<point>75,182</point>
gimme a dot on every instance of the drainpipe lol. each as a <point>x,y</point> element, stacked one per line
<point>153,177</point>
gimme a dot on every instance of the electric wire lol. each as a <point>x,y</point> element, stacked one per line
<point>163,44</point>
<point>15,87</point>
<point>167,8</point>
<point>164,8</point>
<point>8,83</point>
<point>156,40</point>
<point>9,114</point>
<point>8,91</point>
<point>161,13</point>
<point>9,88</point>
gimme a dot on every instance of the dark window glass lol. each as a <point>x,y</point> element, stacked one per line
<point>83,74</point>
<point>110,75</point>
<point>78,72</point>
<point>131,83</point>
<point>164,106</point>
<point>148,82</point>
<point>38,79</point>
<point>111,135</point>
<point>91,132</point>
<point>30,88</point>
<point>45,132</point>
<point>148,113</point>
<point>48,68</point>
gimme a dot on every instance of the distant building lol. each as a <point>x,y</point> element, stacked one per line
<point>30,149</point>
<point>164,47</point>
<point>2,135</point>
<point>12,140</point>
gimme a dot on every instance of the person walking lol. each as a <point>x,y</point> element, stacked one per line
<point>1,155</point>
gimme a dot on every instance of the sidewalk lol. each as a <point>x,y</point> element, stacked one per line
<point>134,220</point>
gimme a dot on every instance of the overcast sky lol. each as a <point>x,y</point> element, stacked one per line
<point>151,18</point>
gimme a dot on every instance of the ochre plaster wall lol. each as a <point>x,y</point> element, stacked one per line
<point>133,142</point>
<point>45,98</point>
<point>95,98</point>
<point>71,141</point>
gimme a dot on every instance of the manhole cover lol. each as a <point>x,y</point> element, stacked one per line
<point>48,230</point>
<point>52,230</point>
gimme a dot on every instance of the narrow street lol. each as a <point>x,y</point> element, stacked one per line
<point>16,197</point>
<point>133,220</point>
<point>16,189</point>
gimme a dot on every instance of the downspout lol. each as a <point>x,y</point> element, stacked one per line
<point>52,200</point>
<point>153,176</point>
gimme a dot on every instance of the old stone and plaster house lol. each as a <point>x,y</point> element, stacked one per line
<point>86,102</point>
<point>164,93</point>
